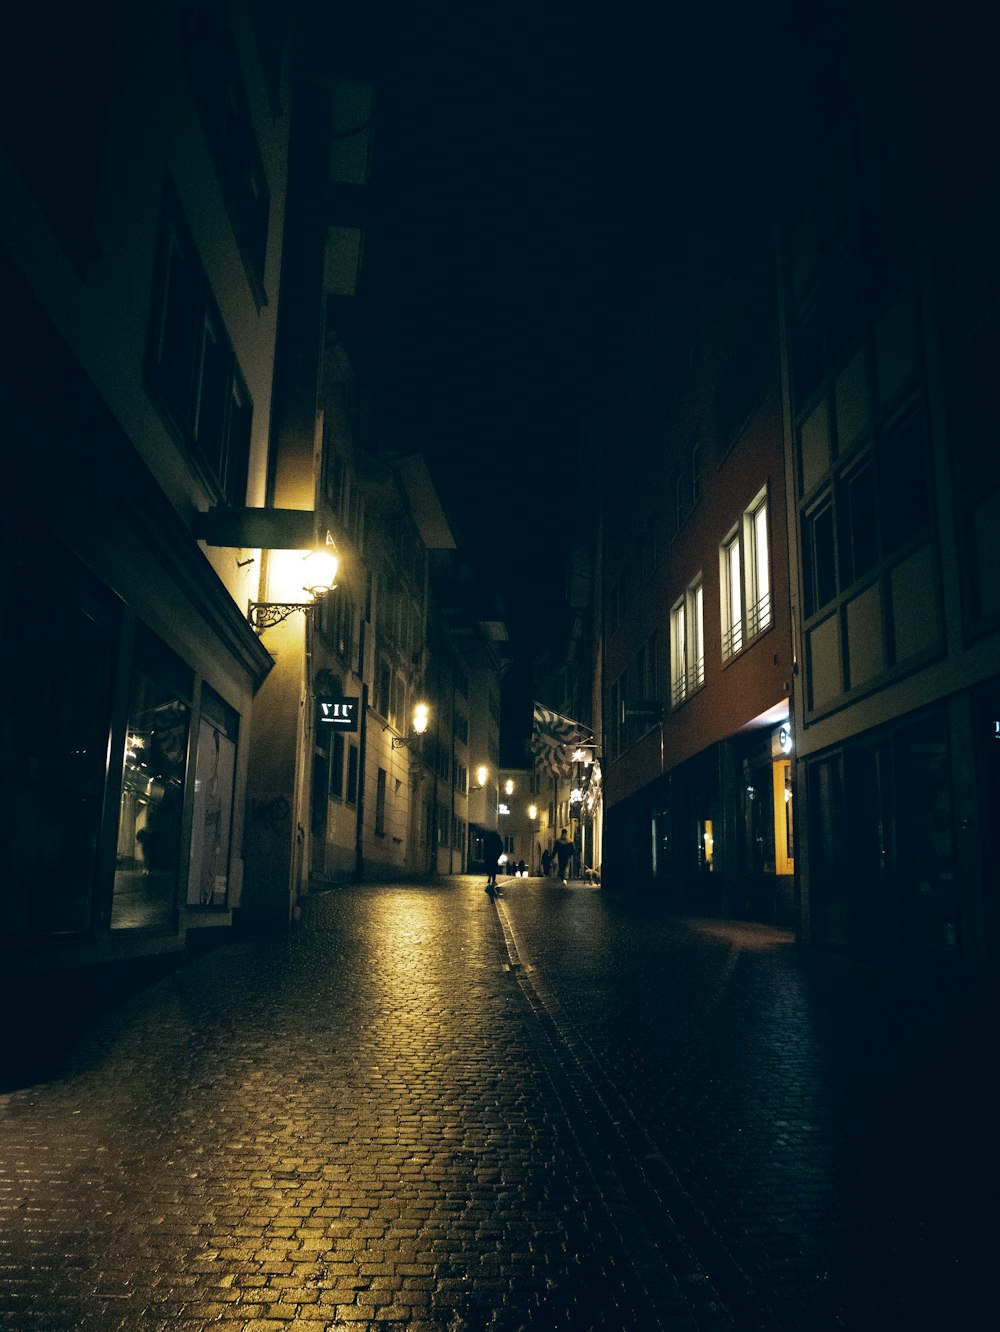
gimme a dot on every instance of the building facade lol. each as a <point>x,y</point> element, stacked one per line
<point>143,169</point>
<point>887,198</point>
<point>196,406</point>
<point>697,653</point>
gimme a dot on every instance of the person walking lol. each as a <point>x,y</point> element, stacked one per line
<point>492,851</point>
<point>564,851</point>
<point>546,863</point>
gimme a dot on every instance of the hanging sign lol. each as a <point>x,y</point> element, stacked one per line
<point>340,714</point>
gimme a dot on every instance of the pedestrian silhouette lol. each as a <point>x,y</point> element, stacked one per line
<point>564,850</point>
<point>492,851</point>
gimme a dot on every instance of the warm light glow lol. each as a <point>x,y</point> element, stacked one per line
<point>532,811</point>
<point>482,773</point>
<point>299,576</point>
<point>508,786</point>
<point>575,796</point>
<point>320,571</point>
<point>421,717</point>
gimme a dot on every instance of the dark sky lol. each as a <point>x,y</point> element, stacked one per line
<point>537,163</point>
<point>534,160</point>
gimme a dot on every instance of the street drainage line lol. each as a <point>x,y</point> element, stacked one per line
<point>653,1189</point>
<point>643,1277</point>
<point>510,946</point>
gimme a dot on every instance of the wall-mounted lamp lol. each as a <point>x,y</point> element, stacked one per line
<point>418,725</point>
<point>482,772</point>
<point>508,786</point>
<point>532,811</point>
<point>320,572</point>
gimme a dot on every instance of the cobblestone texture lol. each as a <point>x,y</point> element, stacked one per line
<point>565,1110</point>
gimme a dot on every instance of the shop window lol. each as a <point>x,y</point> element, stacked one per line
<point>152,792</point>
<point>212,810</point>
<point>55,720</point>
<point>352,775</point>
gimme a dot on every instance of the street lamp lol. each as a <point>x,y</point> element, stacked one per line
<point>418,725</point>
<point>482,772</point>
<point>320,574</point>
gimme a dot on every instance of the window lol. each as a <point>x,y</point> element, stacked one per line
<point>380,803</point>
<point>192,367</point>
<point>687,644</point>
<point>352,775</point>
<point>858,537</point>
<point>746,579</point>
<point>732,597</point>
<point>819,557</point>
<point>758,570</point>
<point>337,766</point>
<point>213,71</point>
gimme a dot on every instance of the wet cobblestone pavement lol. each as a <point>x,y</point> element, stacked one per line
<point>565,1110</point>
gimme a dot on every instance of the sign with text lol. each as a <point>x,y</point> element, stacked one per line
<point>643,710</point>
<point>339,714</point>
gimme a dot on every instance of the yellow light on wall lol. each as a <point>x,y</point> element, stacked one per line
<point>291,574</point>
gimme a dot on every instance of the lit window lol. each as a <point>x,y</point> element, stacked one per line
<point>758,575</point>
<point>732,599</point>
<point>687,644</point>
<point>746,579</point>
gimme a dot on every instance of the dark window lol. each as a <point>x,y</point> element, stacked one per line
<point>858,524</point>
<point>904,496</point>
<point>55,718</point>
<point>845,301</point>
<point>337,766</point>
<point>213,71</point>
<point>819,561</point>
<point>808,355</point>
<point>53,98</point>
<point>192,367</point>
<point>352,775</point>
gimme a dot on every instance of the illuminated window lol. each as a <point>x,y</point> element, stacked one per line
<point>758,569</point>
<point>732,596</point>
<point>745,577</point>
<point>687,644</point>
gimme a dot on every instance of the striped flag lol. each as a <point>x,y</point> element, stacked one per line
<point>553,740</point>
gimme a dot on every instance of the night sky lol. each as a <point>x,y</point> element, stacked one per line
<point>537,164</point>
<point>534,160</point>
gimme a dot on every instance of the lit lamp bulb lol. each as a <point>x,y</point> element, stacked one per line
<point>421,717</point>
<point>481,775</point>
<point>508,786</point>
<point>320,568</point>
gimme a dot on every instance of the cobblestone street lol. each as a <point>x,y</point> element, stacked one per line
<point>566,1110</point>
